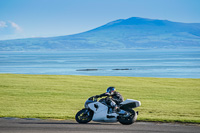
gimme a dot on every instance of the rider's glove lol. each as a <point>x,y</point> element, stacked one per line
<point>97,96</point>
<point>91,98</point>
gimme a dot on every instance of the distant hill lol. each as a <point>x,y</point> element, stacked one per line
<point>120,34</point>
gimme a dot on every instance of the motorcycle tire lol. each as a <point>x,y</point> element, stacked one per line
<point>128,120</point>
<point>83,117</point>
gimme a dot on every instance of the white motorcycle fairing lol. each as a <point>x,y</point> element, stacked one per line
<point>101,113</point>
<point>131,103</point>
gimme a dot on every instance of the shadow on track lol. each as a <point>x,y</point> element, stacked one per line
<point>68,123</point>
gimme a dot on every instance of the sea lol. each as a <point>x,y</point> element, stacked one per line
<point>161,63</point>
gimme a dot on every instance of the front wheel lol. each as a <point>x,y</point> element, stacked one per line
<point>127,120</point>
<point>84,116</point>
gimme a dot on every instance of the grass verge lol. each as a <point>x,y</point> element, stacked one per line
<point>61,96</point>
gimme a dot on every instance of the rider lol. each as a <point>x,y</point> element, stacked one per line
<point>115,100</point>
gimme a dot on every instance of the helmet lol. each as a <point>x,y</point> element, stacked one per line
<point>111,90</point>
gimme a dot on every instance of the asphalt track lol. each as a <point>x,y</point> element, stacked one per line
<point>14,125</point>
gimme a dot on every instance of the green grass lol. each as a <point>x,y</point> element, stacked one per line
<point>61,96</point>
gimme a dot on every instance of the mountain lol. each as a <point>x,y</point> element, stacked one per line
<point>120,34</point>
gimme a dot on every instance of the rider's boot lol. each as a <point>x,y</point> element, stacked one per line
<point>116,109</point>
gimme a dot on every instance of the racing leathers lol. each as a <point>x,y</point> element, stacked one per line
<point>116,98</point>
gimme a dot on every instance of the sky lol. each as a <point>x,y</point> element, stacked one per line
<point>48,18</point>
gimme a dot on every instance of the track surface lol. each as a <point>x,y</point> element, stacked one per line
<point>10,125</point>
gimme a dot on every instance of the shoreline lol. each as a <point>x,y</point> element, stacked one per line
<point>94,75</point>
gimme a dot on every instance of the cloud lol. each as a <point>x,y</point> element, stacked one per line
<point>10,25</point>
<point>3,24</point>
<point>10,30</point>
<point>15,26</point>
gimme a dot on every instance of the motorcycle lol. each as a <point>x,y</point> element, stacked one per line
<point>100,111</point>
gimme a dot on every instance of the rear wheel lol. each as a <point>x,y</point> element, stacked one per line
<point>127,120</point>
<point>84,116</point>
